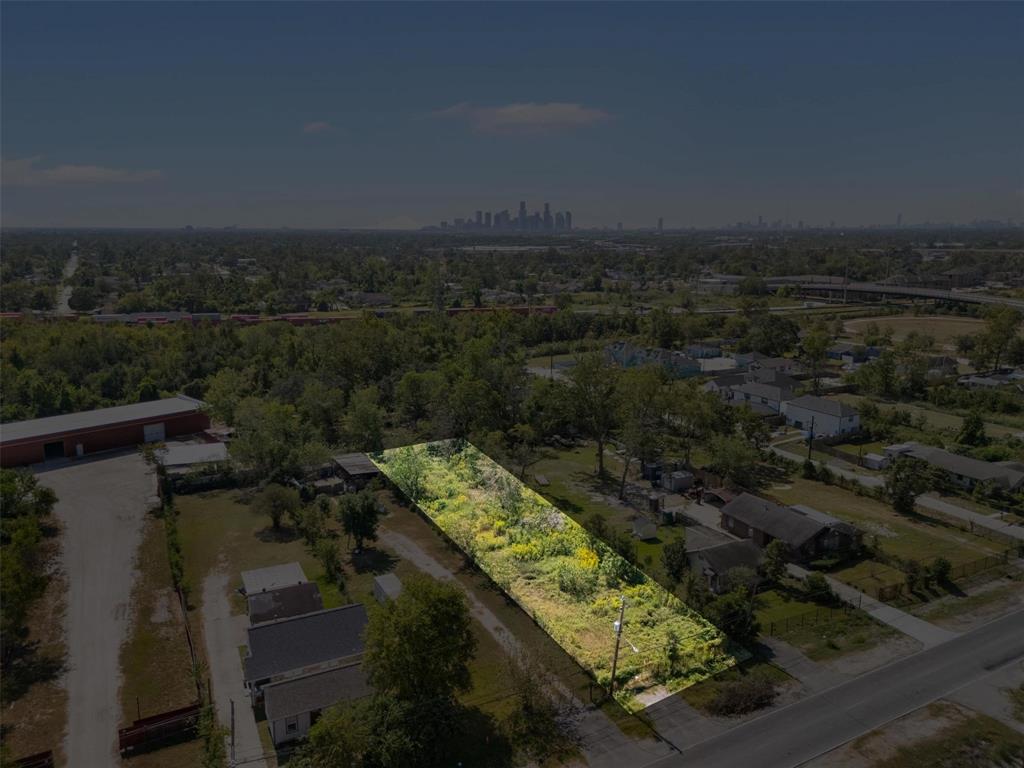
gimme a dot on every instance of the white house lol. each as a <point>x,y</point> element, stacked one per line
<point>829,417</point>
<point>756,394</point>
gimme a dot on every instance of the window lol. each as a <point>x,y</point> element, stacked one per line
<point>291,724</point>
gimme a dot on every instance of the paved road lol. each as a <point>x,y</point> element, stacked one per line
<point>792,735</point>
<point>924,632</point>
<point>102,532</point>
<point>224,633</point>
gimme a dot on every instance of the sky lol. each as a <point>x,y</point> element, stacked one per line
<point>392,115</point>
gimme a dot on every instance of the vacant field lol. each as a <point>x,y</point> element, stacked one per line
<point>568,580</point>
<point>701,695</point>
<point>156,666</point>
<point>920,538</point>
<point>938,421</point>
<point>943,328</point>
<point>821,633</point>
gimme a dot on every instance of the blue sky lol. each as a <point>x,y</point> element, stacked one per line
<point>330,115</point>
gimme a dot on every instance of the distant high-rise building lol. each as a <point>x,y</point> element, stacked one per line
<point>619,226</point>
<point>549,223</point>
<point>661,224</point>
<point>522,214</point>
<point>760,221</point>
<point>479,218</point>
<point>568,220</point>
<point>899,220</point>
<point>800,224</point>
<point>559,221</point>
<point>487,220</point>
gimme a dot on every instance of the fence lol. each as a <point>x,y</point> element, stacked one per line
<point>40,760</point>
<point>810,617</point>
<point>159,730</point>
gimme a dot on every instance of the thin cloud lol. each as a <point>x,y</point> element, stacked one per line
<point>317,126</point>
<point>26,172</point>
<point>526,117</point>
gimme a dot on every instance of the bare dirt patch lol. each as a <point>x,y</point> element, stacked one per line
<point>859,662</point>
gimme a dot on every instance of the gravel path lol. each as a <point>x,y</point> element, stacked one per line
<point>102,504</point>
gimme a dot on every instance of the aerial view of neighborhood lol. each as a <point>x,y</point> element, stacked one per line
<point>438,386</point>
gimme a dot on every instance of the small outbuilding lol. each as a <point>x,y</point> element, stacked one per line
<point>386,587</point>
<point>272,577</point>
<point>356,469</point>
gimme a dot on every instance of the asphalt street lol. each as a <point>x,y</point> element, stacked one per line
<point>790,736</point>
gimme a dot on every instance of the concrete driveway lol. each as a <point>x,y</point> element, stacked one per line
<point>102,504</point>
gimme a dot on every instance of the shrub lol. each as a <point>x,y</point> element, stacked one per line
<point>577,581</point>
<point>941,568</point>
<point>747,695</point>
<point>817,588</point>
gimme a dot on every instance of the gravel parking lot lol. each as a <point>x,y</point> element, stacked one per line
<point>102,503</point>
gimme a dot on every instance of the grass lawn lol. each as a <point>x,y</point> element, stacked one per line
<point>922,538</point>
<point>155,663</point>
<point>943,328</point>
<point>219,527</point>
<point>820,632</point>
<point>34,699</point>
<point>935,420</point>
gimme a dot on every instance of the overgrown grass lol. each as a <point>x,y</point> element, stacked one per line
<point>567,580</point>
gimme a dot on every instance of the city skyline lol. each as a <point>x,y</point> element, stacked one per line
<point>695,111</point>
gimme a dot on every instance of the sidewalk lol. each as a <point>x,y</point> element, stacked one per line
<point>924,632</point>
<point>970,516</point>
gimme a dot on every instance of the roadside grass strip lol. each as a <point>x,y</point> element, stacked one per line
<point>567,580</point>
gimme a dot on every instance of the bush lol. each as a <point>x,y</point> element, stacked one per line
<point>940,570</point>
<point>747,695</point>
<point>817,588</point>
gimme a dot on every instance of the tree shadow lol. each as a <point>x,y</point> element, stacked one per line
<point>26,665</point>
<point>479,741</point>
<point>282,535</point>
<point>373,560</point>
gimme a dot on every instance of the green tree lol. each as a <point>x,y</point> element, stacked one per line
<point>272,439</point>
<point>673,559</point>
<point>419,646</point>
<point>364,422</point>
<point>733,613</point>
<point>330,559</point>
<point>642,408</point>
<point>733,459</point>
<point>359,514</point>
<point>814,353</point>
<point>905,480</point>
<point>776,555</point>
<point>972,431</point>
<point>594,395</point>
<point>276,501</point>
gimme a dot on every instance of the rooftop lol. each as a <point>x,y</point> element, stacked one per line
<point>792,526</point>
<point>734,554</point>
<point>356,464</point>
<point>317,691</point>
<point>304,641</point>
<point>823,405</point>
<point>283,603</point>
<point>184,455</point>
<point>153,410</point>
<point>272,577</point>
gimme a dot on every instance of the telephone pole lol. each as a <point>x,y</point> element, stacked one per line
<point>618,640</point>
<point>810,439</point>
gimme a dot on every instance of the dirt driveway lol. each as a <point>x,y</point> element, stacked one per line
<point>102,504</point>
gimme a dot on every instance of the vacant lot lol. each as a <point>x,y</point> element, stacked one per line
<point>935,421</point>
<point>943,328</point>
<point>920,538</point>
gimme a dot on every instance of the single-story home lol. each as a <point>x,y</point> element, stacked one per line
<point>875,461</point>
<point>962,470</point>
<point>677,364</point>
<point>293,706</point>
<point>272,577</point>
<point>300,645</point>
<point>717,497</point>
<point>714,563</point>
<point>829,417</point>
<point>645,529</point>
<point>807,532</point>
<point>785,365</point>
<point>284,602</point>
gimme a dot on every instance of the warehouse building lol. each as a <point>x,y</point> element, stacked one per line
<point>74,435</point>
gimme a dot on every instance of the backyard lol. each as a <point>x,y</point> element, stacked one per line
<point>566,579</point>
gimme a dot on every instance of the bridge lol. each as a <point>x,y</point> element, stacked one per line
<point>844,290</point>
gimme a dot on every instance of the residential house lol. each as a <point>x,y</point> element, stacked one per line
<point>356,469</point>
<point>290,648</point>
<point>778,364</point>
<point>677,364</point>
<point>807,532</point>
<point>828,417</point>
<point>963,470</point>
<point>284,602</point>
<point>293,706</point>
<point>714,563</point>
<point>272,577</point>
<point>770,396</point>
<point>386,587</point>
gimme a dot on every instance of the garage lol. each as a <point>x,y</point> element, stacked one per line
<point>74,435</point>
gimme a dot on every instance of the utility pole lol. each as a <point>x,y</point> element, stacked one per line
<point>232,731</point>
<point>618,640</point>
<point>810,439</point>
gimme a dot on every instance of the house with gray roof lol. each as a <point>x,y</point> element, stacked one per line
<point>807,532</point>
<point>715,563</point>
<point>757,394</point>
<point>293,706</point>
<point>285,602</point>
<point>963,470</point>
<point>301,645</point>
<point>829,417</point>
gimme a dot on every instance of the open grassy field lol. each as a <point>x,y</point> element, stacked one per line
<point>566,579</point>
<point>820,632</point>
<point>935,420</point>
<point>922,538</point>
<point>155,662</point>
<point>943,328</point>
